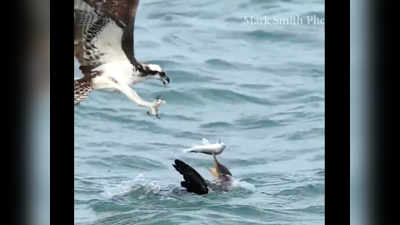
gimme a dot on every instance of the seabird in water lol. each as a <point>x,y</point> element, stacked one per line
<point>104,47</point>
<point>194,182</point>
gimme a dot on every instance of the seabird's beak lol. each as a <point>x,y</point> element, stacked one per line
<point>219,171</point>
<point>164,78</point>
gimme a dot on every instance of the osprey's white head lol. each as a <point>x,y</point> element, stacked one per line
<point>153,71</point>
<point>155,67</point>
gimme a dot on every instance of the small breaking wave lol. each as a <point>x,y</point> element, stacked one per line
<point>241,184</point>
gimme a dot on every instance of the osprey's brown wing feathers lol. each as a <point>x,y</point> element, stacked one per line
<point>82,88</point>
<point>121,11</point>
<point>90,18</point>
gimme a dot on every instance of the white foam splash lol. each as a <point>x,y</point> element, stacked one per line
<point>237,183</point>
<point>139,182</point>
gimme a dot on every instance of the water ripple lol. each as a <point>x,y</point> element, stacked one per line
<point>229,96</point>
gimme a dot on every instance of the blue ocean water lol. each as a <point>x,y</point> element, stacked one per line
<point>258,87</point>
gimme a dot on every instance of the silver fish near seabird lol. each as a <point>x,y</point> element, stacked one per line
<point>207,148</point>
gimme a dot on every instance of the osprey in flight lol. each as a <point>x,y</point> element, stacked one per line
<point>104,47</point>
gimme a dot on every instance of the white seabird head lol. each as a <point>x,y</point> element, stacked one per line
<point>153,71</point>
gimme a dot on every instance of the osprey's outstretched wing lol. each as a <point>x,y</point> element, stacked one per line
<point>193,182</point>
<point>103,32</point>
<point>123,13</point>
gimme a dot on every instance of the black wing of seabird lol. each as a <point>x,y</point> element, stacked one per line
<point>193,182</point>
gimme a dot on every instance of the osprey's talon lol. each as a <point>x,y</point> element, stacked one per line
<point>154,107</point>
<point>155,115</point>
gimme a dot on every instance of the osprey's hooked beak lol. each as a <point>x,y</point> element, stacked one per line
<point>164,78</point>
